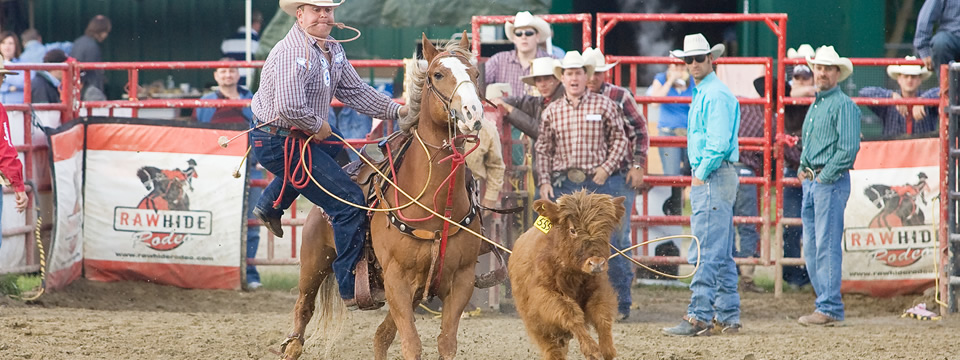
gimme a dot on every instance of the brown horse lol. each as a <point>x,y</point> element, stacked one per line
<point>444,102</point>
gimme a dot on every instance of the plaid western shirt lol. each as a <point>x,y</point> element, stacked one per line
<point>298,83</point>
<point>634,125</point>
<point>585,137</point>
<point>505,67</point>
<point>751,126</point>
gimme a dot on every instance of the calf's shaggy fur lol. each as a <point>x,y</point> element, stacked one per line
<point>560,279</point>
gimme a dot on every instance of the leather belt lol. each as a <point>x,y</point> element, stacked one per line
<point>283,132</point>
<point>811,173</point>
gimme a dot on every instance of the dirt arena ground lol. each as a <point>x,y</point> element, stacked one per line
<point>91,320</point>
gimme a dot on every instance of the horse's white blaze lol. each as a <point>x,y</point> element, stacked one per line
<point>469,107</point>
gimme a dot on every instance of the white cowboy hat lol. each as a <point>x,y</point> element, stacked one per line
<point>4,71</point>
<point>894,71</point>
<point>826,55</point>
<point>540,67</point>
<point>803,51</point>
<point>696,44</point>
<point>595,57</point>
<point>290,6</point>
<point>572,60</point>
<point>526,19</point>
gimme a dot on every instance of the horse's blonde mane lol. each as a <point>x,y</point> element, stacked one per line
<point>418,78</point>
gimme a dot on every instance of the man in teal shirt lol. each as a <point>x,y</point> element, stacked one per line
<point>714,122</point>
<point>831,139</point>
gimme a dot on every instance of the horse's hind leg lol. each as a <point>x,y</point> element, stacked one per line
<point>384,337</point>
<point>316,255</point>
<point>453,305</point>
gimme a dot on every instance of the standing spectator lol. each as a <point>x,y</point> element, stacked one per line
<point>11,91</point>
<point>922,119</point>
<point>831,139</point>
<point>523,111</point>
<point>802,79</point>
<point>633,165</point>
<point>235,46</point>
<point>10,166</point>
<point>486,163</point>
<point>525,32</point>
<point>943,46</point>
<point>712,148</point>
<point>228,89</point>
<point>581,140</point>
<point>34,49</point>
<point>676,81</point>
<point>750,165</point>
<point>86,48</point>
<point>45,87</point>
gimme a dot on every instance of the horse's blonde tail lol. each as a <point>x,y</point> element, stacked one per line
<point>331,316</point>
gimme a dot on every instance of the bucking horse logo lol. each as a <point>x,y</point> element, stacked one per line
<point>166,187</point>
<point>898,204</point>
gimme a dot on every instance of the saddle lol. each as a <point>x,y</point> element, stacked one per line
<point>369,289</point>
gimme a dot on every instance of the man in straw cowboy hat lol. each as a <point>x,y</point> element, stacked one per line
<point>300,76</point>
<point>922,119</point>
<point>831,139</point>
<point>523,111</point>
<point>525,32</point>
<point>581,140</point>
<point>11,170</point>
<point>629,177</point>
<point>714,122</point>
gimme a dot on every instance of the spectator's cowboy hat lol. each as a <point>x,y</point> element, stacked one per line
<point>826,55</point>
<point>804,51</point>
<point>290,6</point>
<point>572,60</point>
<point>540,67</point>
<point>696,44</point>
<point>894,71</point>
<point>595,57</point>
<point>526,19</point>
<point>4,71</point>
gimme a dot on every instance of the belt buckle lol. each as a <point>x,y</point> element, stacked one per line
<point>810,175</point>
<point>576,176</point>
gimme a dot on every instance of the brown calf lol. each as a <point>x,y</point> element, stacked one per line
<point>560,277</point>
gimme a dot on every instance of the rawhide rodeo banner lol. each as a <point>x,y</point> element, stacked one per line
<point>159,203</point>
<point>889,239</point>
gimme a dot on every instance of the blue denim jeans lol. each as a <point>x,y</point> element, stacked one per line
<point>746,205</point>
<point>619,270</point>
<point>672,158</point>
<point>347,220</point>
<point>253,232</point>
<point>792,199</point>
<point>822,215</point>
<point>714,286</point>
<point>944,48</point>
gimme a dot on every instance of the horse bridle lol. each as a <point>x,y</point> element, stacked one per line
<point>447,100</point>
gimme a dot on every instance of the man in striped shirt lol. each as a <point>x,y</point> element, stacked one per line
<point>714,122</point>
<point>633,165</point>
<point>831,140</point>
<point>301,75</point>
<point>581,141</point>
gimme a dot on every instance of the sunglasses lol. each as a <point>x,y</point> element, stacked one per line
<point>697,58</point>
<point>527,33</point>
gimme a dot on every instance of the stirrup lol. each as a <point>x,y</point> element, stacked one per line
<point>495,276</point>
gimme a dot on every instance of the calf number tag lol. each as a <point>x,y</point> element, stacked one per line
<point>543,224</point>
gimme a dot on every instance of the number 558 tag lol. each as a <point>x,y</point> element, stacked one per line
<point>543,224</point>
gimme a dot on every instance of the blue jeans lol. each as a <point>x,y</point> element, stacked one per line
<point>822,214</point>
<point>672,158</point>
<point>347,220</point>
<point>619,269</point>
<point>253,232</point>
<point>714,286</point>
<point>792,199</point>
<point>945,47</point>
<point>746,205</point>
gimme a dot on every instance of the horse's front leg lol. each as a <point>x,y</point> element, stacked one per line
<point>453,304</point>
<point>399,293</point>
